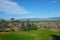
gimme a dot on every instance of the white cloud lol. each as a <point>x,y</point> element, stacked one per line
<point>10,7</point>
<point>36,17</point>
<point>53,2</point>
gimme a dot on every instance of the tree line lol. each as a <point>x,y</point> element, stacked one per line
<point>22,25</point>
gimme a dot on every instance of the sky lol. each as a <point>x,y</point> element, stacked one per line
<point>29,9</point>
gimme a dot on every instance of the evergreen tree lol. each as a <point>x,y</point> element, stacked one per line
<point>28,25</point>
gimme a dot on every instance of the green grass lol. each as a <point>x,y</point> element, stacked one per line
<point>42,34</point>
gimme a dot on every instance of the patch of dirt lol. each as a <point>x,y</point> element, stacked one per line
<point>33,34</point>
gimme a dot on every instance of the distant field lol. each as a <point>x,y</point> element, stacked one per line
<point>48,22</point>
<point>42,34</point>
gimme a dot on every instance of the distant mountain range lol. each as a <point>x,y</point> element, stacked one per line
<point>55,18</point>
<point>42,19</point>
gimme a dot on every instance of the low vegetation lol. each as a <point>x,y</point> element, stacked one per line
<point>42,34</point>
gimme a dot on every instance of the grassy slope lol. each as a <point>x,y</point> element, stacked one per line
<point>28,35</point>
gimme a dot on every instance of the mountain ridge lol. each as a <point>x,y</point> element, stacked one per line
<point>43,19</point>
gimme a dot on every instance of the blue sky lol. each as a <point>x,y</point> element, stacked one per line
<point>29,8</point>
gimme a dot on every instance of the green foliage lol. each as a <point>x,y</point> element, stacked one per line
<point>28,26</point>
<point>12,30</point>
<point>23,26</point>
<point>34,27</point>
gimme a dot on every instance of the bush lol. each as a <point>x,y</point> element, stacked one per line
<point>34,27</point>
<point>1,30</point>
<point>12,30</point>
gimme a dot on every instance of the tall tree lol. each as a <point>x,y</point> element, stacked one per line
<point>2,24</point>
<point>23,26</point>
<point>28,24</point>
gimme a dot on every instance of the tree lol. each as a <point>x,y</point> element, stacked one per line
<point>34,27</point>
<point>2,24</point>
<point>28,25</point>
<point>23,26</point>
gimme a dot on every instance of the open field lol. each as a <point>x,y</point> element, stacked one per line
<point>48,24</point>
<point>42,34</point>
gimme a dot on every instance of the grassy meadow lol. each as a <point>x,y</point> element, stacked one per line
<point>41,34</point>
